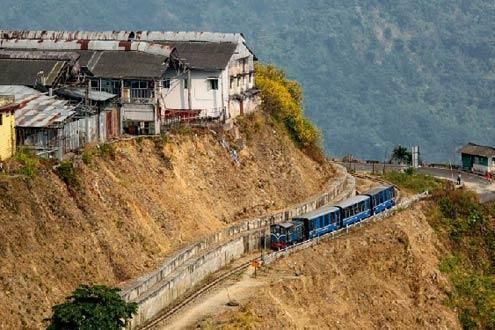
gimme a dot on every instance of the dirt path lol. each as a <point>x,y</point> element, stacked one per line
<point>238,289</point>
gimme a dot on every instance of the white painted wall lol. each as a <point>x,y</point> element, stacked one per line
<point>213,102</point>
<point>203,97</point>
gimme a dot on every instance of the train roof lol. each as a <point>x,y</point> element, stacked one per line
<point>318,212</point>
<point>375,190</point>
<point>352,200</point>
<point>285,224</point>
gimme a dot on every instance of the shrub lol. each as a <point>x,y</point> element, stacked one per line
<point>29,162</point>
<point>107,150</point>
<point>68,173</point>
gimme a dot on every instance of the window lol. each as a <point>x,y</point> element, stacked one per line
<point>95,84</point>
<point>250,78</point>
<point>166,83</point>
<point>232,83</point>
<point>213,84</point>
<point>1,119</point>
<point>186,84</point>
<point>238,81</point>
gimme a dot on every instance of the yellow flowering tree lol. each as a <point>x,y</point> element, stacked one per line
<point>282,98</point>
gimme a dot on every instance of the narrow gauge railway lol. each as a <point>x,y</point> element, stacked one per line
<point>332,218</point>
<point>326,220</point>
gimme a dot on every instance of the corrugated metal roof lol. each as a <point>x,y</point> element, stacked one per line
<point>36,109</point>
<point>20,93</point>
<point>43,111</point>
<point>145,47</point>
<point>123,35</point>
<point>80,94</point>
<point>28,72</point>
<point>478,150</point>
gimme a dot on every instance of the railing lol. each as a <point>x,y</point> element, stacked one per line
<point>142,95</point>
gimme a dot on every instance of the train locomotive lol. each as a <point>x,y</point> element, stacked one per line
<point>331,218</point>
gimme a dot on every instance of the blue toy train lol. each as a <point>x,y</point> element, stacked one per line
<point>331,218</point>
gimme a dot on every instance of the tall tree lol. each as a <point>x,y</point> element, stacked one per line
<point>401,155</point>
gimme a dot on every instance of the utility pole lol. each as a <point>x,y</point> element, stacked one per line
<point>189,83</point>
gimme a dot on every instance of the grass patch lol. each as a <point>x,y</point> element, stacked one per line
<point>467,227</point>
<point>29,163</point>
<point>414,182</point>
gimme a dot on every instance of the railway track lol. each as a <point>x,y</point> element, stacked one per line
<point>176,308</point>
<point>168,313</point>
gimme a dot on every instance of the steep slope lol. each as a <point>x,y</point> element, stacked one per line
<point>136,202</point>
<point>382,276</point>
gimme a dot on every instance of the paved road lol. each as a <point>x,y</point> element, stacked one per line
<point>485,189</point>
<point>452,174</point>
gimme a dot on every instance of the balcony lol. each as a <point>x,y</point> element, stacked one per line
<point>138,96</point>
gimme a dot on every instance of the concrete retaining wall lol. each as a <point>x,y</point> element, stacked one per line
<point>155,291</point>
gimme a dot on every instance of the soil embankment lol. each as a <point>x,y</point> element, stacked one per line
<point>136,203</point>
<point>382,276</point>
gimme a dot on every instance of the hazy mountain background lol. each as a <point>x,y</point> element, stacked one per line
<point>376,73</point>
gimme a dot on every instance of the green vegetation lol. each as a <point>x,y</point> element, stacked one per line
<point>375,72</point>
<point>68,174</point>
<point>401,155</point>
<point>413,182</point>
<point>92,307</point>
<point>282,98</point>
<point>467,227</point>
<point>106,151</point>
<point>29,163</point>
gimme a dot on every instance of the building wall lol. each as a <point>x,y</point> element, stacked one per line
<point>479,164</point>
<point>7,136</point>
<point>203,97</point>
<point>233,81</point>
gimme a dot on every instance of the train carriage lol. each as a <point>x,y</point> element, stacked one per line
<point>331,218</point>
<point>286,233</point>
<point>382,198</point>
<point>355,209</point>
<point>321,221</point>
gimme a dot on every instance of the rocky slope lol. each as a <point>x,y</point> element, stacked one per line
<point>383,276</point>
<point>135,203</point>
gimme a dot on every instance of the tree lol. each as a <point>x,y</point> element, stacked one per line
<point>92,307</point>
<point>401,155</point>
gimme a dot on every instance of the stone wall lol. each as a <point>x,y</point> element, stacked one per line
<point>158,289</point>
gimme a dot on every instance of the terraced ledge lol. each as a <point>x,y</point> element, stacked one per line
<point>184,269</point>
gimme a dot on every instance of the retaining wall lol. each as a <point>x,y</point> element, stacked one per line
<point>155,291</point>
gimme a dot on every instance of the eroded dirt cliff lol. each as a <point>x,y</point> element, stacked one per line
<point>136,203</point>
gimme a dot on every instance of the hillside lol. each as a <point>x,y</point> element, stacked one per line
<point>128,205</point>
<point>376,73</point>
<point>383,276</point>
